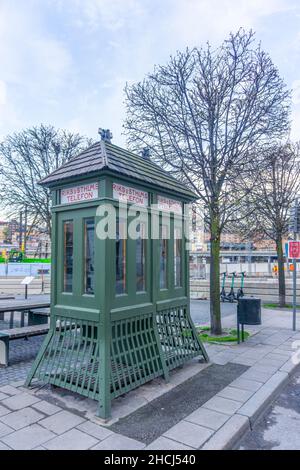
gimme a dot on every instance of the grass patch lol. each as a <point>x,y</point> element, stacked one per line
<point>30,260</point>
<point>229,335</point>
<point>277,306</point>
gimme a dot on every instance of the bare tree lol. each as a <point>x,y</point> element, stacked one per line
<point>25,158</point>
<point>275,185</point>
<point>201,115</point>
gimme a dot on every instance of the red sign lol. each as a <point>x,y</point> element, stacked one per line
<point>294,249</point>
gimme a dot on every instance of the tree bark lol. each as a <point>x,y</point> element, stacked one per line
<point>281,275</point>
<point>214,289</point>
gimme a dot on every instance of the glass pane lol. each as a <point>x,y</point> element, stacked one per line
<point>140,259</point>
<point>68,256</point>
<point>163,258</point>
<point>89,255</point>
<point>120,257</point>
<point>177,257</point>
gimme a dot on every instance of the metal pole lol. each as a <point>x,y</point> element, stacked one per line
<point>294,293</point>
<point>295,269</point>
<point>21,230</point>
<point>25,229</point>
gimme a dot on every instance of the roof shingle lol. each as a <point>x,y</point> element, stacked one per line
<point>106,156</point>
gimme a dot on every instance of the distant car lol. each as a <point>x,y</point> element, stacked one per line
<point>15,256</point>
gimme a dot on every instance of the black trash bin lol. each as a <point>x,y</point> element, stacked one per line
<point>248,313</point>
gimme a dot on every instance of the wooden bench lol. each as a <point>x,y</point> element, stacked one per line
<point>17,333</point>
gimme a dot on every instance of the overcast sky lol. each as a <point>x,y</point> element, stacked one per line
<point>65,62</point>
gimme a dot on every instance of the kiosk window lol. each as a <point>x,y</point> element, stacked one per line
<point>68,256</point>
<point>120,257</point>
<point>89,255</point>
<point>141,259</point>
<point>177,256</point>
<point>163,258</point>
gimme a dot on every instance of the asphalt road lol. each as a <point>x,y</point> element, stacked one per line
<point>279,427</point>
<point>200,310</point>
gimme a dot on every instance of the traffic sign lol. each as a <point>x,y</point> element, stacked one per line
<point>294,249</point>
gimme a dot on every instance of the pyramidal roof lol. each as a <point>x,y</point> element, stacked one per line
<point>104,155</point>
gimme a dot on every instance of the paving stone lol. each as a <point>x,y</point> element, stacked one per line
<point>275,354</point>
<point>119,442</point>
<point>258,376</point>
<point>288,367</point>
<point>3,395</point>
<point>207,418</point>
<point>235,394</point>
<point>95,430</point>
<point>163,443</point>
<point>28,438</point>
<point>223,405</point>
<point>71,440</point>
<point>61,422</point>
<point>21,418</point>
<point>246,361</point>
<point>189,434</point>
<point>3,446</point>
<point>4,411</point>
<point>258,401</point>
<point>246,384</point>
<point>265,369</point>
<point>266,361</point>
<point>228,434</point>
<point>9,390</point>
<point>4,429</point>
<point>46,407</point>
<point>17,402</point>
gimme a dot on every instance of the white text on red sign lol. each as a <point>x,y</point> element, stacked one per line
<point>294,249</point>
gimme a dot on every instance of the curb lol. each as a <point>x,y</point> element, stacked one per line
<point>228,436</point>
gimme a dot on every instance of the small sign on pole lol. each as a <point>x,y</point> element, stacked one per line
<point>294,249</point>
<point>26,281</point>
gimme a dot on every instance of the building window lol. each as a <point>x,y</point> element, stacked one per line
<point>89,256</point>
<point>120,256</point>
<point>177,257</point>
<point>68,256</point>
<point>141,259</point>
<point>163,258</point>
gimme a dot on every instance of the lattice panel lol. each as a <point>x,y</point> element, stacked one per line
<point>134,353</point>
<point>178,338</point>
<point>71,359</point>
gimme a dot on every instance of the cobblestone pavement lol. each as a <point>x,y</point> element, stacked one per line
<point>21,355</point>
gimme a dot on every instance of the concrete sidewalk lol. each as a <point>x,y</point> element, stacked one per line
<point>43,418</point>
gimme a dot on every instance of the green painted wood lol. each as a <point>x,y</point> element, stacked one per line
<point>103,345</point>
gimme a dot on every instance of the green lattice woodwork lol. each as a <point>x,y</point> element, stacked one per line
<point>104,345</point>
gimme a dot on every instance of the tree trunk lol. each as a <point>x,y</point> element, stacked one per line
<point>214,289</point>
<point>281,275</point>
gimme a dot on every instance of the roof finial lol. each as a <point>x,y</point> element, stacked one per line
<point>146,153</point>
<point>105,134</point>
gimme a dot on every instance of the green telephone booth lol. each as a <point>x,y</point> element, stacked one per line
<point>119,303</point>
